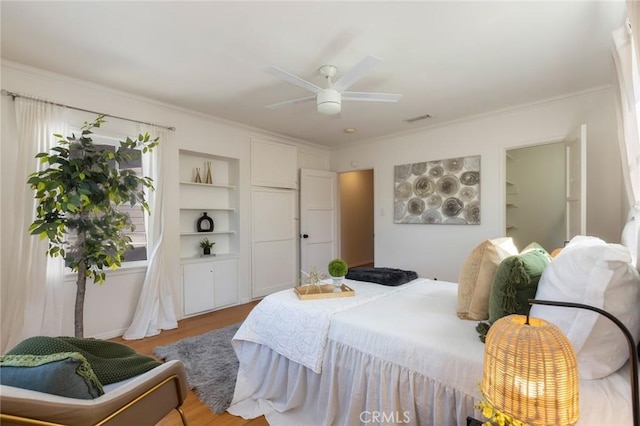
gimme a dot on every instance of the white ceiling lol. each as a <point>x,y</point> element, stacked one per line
<point>449,59</point>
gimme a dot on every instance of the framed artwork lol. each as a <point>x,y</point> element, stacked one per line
<point>438,192</point>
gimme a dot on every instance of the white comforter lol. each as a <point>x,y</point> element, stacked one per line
<point>405,354</point>
<point>298,329</point>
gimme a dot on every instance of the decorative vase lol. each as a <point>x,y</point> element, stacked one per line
<point>209,178</point>
<point>198,179</point>
<point>337,281</point>
<point>207,251</point>
<point>205,223</point>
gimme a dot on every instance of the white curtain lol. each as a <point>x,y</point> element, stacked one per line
<point>628,95</point>
<point>32,296</point>
<point>155,311</point>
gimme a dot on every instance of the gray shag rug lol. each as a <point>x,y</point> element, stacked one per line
<point>211,365</point>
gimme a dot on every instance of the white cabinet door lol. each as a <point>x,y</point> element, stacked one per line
<point>274,164</point>
<point>226,283</point>
<point>273,267</point>
<point>198,287</point>
<point>274,242</point>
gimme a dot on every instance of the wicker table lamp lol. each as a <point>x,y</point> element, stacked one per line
<point>530,372</point>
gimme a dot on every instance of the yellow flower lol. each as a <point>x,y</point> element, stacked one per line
<point>497,417</point>
<point>487,411</point>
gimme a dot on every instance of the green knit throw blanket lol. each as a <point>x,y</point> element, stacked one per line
<point>111,362</point>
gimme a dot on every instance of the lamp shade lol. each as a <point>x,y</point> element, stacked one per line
<point>530,372</point>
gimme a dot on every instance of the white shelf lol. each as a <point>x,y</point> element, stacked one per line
<point>204,209</point>
<point>216,256</point>
<point>207,233</point>
<point>214,185</point>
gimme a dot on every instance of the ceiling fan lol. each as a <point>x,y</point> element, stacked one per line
<point>329,100</point>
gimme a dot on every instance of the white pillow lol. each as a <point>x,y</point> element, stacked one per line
<point>592,272</point>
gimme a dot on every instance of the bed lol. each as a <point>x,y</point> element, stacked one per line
<point>392,355</point>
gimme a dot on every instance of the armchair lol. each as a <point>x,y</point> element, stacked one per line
<point>141,400</point>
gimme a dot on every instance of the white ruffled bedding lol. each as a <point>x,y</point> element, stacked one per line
<point>405,356</point>
<point>298,328</point>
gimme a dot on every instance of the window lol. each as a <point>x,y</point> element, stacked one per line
<point>136,213</point>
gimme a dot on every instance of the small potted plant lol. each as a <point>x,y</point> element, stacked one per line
<point>337,269</point>
<point>206,246</point>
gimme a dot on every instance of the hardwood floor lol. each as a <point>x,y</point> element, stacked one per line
<point>196,412</point>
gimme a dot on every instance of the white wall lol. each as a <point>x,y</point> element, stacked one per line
<point>439,250</point>
<point>109,308</point>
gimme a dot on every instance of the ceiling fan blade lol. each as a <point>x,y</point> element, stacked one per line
<point>371,97</point>
<point>293,79</point>
<point>292,102</point>
<point>356,73</point>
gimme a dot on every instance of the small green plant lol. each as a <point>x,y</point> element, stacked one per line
<point>206,244</point>
<point>338,268</point>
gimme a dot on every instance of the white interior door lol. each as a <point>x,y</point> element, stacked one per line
<point>318,219</point>
<point>576,181</point>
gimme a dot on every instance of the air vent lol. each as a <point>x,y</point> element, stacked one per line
<point>418,118</point>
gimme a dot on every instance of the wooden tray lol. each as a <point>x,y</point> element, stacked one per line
<point>324,291</point>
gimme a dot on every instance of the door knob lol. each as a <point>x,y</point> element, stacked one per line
<point>305,235</point>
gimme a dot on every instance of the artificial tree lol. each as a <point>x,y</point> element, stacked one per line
<point>78,196</point>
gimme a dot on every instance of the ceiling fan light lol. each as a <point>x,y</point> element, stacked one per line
<point>329,102</point>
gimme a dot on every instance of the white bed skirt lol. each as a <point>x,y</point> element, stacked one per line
<point>402,359</point>
<point>354,388</point>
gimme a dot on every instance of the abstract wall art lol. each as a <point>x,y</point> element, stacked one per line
<point>438,192</point>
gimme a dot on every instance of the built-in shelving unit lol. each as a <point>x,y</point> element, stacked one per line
<point>209,282</point>
<point>218,199</point>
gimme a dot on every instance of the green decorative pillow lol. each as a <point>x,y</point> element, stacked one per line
<point>515,282</point>
<point>65,374</point>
